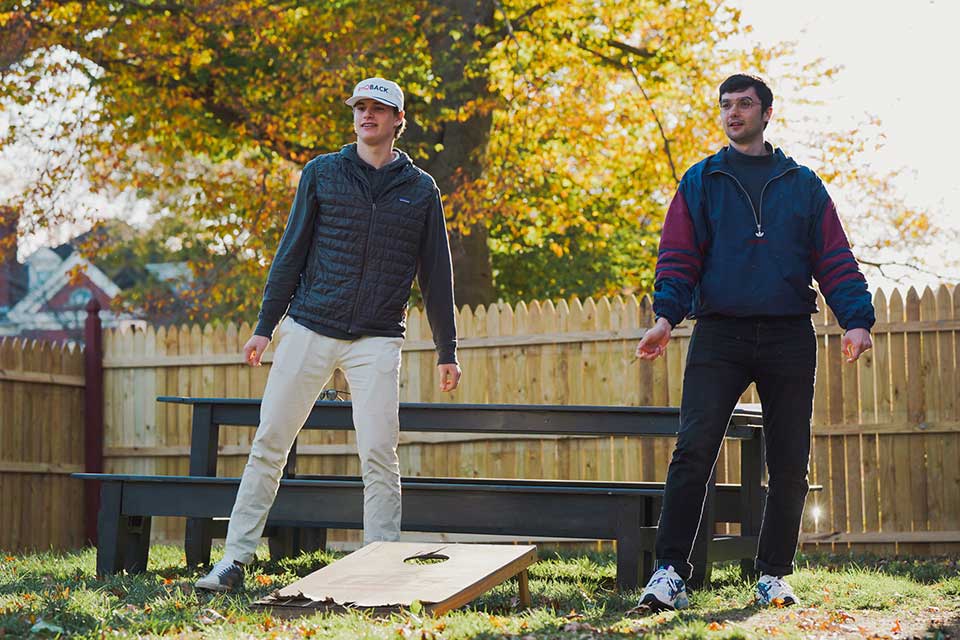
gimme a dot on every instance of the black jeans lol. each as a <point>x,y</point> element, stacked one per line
<point>725,356</point>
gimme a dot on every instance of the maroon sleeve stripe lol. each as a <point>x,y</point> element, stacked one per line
<point>833,283</point>
<point>679,255</point>
<point>834,263</point>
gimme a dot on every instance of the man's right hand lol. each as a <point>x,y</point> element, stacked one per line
<point>253,350</point>
<point>654,341</point>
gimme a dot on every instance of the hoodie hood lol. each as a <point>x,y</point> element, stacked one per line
<point>350,153</point>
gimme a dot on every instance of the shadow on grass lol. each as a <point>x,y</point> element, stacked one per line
<point>924,570</point>
<point>948,627</point>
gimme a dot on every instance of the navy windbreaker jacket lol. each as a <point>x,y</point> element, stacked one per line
<point>720,257</point>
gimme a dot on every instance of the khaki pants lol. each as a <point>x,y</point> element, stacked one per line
<point>303,363</point>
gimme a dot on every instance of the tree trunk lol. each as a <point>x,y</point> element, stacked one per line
<point>463,142</point>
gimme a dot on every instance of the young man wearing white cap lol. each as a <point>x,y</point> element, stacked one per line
<point>365,221</point>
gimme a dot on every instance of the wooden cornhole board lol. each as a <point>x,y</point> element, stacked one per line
<point>378,577</point>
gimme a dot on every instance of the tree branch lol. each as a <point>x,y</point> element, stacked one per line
<point>629,48</point>
<point>894,263</point>
<point>663,134</point>
<point>636,78</point>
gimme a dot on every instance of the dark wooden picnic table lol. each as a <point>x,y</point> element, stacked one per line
<point>624,511</point>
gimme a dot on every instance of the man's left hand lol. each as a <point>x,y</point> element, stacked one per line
<point>449,376</point>
<point>854,343</point>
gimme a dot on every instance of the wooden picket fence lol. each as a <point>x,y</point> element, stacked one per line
<point>887,430</point>
<point>41,442</point>
<point>886,446</point>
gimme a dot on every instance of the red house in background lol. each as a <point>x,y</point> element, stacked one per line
<point>46,296</point>
<point>54,307</point>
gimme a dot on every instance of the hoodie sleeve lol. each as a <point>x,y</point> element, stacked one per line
<point>435,274</point>
<point>291,255</point>
<point>679,261</point>
<point>837,272</point>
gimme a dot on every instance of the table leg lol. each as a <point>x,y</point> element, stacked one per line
<point>203,462</point>
<point>752,497</point>
<point>197,541</point>
<point>109,549</point>
<point>523,589</point>
<point>629,519</point>
<point>135,540</point>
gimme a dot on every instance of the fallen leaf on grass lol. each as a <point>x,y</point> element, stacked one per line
<point>842,616</point>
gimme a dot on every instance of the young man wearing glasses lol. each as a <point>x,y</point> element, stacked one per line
<point>745,234</point>
<point>365,221</point>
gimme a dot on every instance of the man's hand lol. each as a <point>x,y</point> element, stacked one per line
<point>854,343</point>
<point>449,376</point>
<point>654,341</point>
<point>253,350</point>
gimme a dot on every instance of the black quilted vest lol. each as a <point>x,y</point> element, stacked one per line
<point>363,257</point>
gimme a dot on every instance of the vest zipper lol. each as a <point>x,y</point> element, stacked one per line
<point>363,266</point>
<point>366,247</point>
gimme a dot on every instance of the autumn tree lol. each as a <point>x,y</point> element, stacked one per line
<point>557,131</point>
<point>208,109</point>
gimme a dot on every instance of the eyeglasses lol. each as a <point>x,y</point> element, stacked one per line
<point>744,104</point>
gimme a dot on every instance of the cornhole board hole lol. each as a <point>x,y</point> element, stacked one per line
<point>387,576</point>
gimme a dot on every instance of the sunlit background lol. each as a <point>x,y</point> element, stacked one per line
<point>894,61</point>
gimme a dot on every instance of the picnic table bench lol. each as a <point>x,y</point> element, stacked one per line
<point>307,505</point>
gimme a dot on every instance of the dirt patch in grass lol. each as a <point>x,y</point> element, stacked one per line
<point>814,622</point>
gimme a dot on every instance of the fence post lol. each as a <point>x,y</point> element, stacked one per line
<point>93,415</point>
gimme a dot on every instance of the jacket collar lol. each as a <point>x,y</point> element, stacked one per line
<point>349,152</point>
<point>719,162</point>
<point>401,169</point>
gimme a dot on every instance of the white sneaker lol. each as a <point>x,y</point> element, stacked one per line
<point>226,575</point>
<point>666,590</point>
<point>774,590</point>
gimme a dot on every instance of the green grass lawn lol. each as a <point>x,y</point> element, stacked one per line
<point>50,595</point>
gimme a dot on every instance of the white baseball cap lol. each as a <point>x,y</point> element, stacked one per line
<point>378,89</point>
